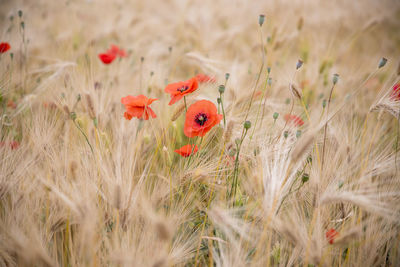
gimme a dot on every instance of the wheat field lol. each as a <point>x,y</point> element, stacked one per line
<point>300,166</point>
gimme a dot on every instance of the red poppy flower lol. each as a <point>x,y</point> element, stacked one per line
<point>138,106</point>
<point>14,145</point>
<point>180,89</point>
<point>331,234</point>
<point>107,58</point>
<point>187,150</point>
<point>200,118</point>
<point>11,104</point>
<point>297,121</point>
<point>395,95</point>
<point>115,50</point>
<point>202,78</point>
<point>4,47</point>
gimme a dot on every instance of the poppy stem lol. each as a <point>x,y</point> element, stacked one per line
<point>184,99</point>
<point>236,169</point>
<point>325,128</point>
<point>222,106</point>
<point>84,135</point>
<point>397,140</point>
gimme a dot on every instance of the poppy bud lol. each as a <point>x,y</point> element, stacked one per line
<point>324,103</point>
<point>19,13</point>
<point>72,115</point>
<point>298,133</point>
<point>340,184</point>
<point>11,56</point>
<point>219,100</point>
<point>261,19</point>
<point>305,177</point>
<point>227,76</point>
<point>295,91</point>
<point>269,81</point>
<point>382,62</point>
<point>335,78</point>
<point>142,59</point>
<point>285,134</point>
<point>221,89</point>
<point>269,70</point>
<point>237,141</point>
<point>300,24</point>
<point>247,125</point>
<point>11,18</point>
<point>299,64</point>
<point>22,25</point>
<point>275,115</point>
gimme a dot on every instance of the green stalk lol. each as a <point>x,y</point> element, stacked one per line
<point>222,106</point>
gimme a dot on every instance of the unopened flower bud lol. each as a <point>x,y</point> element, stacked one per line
<point>275,115</point>
<point>227,76</point>
<point>22,25</point>
<point>382,62</point>
<point>221,89</point>
<point>335,78</point>
<point>324,103</point>
<point>299,64</point>
<point>305,177</point>
<point>247,125</point>
<point>261,19</point>
<point>286,134</point>
<point>20,13</point>
<point>219,100</point>
<point>269,70</point>
<point>72,115</point>
<point>269,81</point>
<point>237,141</point>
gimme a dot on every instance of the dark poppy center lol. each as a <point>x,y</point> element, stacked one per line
<point>201,118</point>
<point>183,88</point>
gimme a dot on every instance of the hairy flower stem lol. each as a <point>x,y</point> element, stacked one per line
<point>325,129</point>
<point>397,141</point>
<point>258,76</point>
<point>222,106</point>
<point>184,99</point>
<point>259,107</point>
<point>84,135</point>
<point>236,169</point>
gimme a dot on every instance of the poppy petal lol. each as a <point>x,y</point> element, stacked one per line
<point>4,47</point>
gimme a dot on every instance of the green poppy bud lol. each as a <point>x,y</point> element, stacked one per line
<point>247,125</point>
<point>382,62</point>
<point>221,89</point>
<point>261,19</point>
